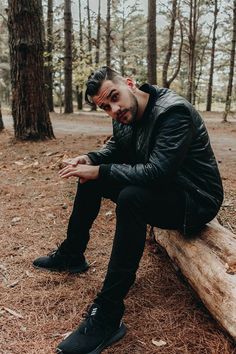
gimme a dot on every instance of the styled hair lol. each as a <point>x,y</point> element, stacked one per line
<point>96,79</point>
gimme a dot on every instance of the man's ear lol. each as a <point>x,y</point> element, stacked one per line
<point>130,83</point>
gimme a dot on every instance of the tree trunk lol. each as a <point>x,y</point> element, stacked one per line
<point>79,96</point>
<point>210,83</point>
<point>208,261</point>
<point>60,89</point>
<point>89,34</point>
<point>152,43</point>
<point>29,108</point>
<point>123,49</point>
<point>201,64</point>
<point>193,26</point>
<point>231,70</point>
<point>49,66</point>
<point>97,58</point>
<point>108,34</point>
<point>1,121</point>
<point>68,57</point>
<point>177,70</point>
<point>170,44</point>
<point>93,106</point>
<point>80,27</point>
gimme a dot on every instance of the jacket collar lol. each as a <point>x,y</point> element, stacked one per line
<point>153,95</point>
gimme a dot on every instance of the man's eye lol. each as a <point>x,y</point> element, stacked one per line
<point>114,97</point>
<point>106,108</point>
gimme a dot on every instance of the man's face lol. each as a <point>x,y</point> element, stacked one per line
<point>118,100</point>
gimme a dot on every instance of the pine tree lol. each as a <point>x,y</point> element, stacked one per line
<point>232,65</point>
<point>29,107</point>
<point>68,57</point>
<point>152,43</point>
<point>49,58</point>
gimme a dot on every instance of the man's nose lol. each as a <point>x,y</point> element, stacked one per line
<point>115,108</point>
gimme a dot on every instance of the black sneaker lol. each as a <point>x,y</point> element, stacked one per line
<point>61,260</point>
<point>95,333</point>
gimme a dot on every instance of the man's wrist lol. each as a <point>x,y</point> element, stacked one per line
<point>88,160</point>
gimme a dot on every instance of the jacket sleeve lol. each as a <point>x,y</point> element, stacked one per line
<point>107,154</point>
<point>172,141</point>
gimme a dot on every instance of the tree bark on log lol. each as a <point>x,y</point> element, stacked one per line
<point>208,261</point>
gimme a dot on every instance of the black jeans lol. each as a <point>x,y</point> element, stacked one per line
<point>135,208</point>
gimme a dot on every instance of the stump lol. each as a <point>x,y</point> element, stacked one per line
<point>208,262</point>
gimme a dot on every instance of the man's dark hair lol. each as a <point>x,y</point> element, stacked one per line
<point>96,79</point>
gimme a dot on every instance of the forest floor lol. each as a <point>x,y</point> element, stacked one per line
<point>37,309</point>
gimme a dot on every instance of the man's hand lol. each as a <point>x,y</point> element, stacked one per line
<point>83,171</point>
<point>82,159</point>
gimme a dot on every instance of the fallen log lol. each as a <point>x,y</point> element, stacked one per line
<point>208,262</point>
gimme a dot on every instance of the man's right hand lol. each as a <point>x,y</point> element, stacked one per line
<point>82,159</point>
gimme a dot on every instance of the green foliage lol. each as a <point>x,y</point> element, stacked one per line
<point>129,44</point>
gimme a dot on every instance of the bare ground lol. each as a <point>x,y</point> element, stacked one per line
<point>37,309</point>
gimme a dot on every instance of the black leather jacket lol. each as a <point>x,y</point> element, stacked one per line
<point>170,144</point>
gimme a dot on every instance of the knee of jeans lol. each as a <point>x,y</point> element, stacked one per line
<point>88,185</point>
<point>128,196</point>
<point>88,188</point>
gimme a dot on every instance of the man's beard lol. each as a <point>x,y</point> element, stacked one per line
<point>133,108</point>
<point>129,115</point>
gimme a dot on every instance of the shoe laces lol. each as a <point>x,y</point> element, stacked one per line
<point>90,312</point>
<point>56,251</point>
<point>90,320</point>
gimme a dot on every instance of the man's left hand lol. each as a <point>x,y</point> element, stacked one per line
<point>84,172</point>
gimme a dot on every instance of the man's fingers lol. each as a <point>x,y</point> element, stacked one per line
<point>72,162</point>
<point>82,171</point>
<point>69,173</point>
<point>67,169</point>
<point>63,170</point>
<point>67,161</point>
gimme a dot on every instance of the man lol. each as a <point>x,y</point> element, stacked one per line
<point>160,170</point>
